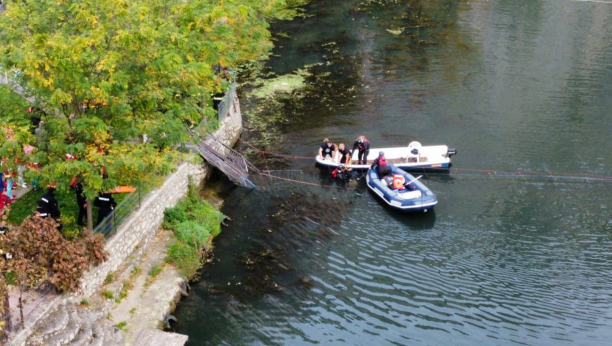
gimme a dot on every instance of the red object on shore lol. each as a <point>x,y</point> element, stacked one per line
<point>123,189</point>
<point>4,200</point>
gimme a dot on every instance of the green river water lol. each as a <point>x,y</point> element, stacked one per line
<point>503,260</point>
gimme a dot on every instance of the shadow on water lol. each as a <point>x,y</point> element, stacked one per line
<point>419,221</point>
<point>413,220</point>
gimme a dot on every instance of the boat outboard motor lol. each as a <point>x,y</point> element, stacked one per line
<point>451,152</point>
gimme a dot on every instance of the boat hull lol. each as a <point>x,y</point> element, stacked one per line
<point>424,203</point>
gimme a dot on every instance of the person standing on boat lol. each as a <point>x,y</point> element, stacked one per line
<point>327,148</point>
<point>345,154</point>
<point>363,144</point>
<point>381,165</point>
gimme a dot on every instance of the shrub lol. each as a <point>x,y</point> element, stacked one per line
<point>174,216</point>
<point>39,251</point>
<point>156,270</point>
<point>190,231</point>
<point>194,223</point>
<point>110,277</point>
<point>185,257</point>
<point>207,216</point>
<point>135,272</point>
<point>127,285</point>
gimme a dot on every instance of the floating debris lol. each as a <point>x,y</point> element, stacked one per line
<point>396,32</point>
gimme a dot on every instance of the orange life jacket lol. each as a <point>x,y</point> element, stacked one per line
<point>398,181</point>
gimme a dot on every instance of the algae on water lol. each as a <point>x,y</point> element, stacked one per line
<point>286,83</point>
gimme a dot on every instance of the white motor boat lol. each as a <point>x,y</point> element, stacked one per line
<point>411,158</point>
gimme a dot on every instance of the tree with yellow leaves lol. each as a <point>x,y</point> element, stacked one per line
<point>107,73</point>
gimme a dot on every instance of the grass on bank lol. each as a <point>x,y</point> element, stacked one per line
<point>26,205</point>
<point>195,223</point>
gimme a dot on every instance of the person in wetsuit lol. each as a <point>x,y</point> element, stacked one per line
<point>363,145</point>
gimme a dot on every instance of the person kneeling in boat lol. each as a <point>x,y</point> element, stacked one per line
<point>345,155</point>
<point>381,165</point>
<point>327,148</point>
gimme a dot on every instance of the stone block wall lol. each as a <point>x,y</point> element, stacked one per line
<point>142,225</point>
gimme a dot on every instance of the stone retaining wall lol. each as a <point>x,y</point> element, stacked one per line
<point>137,231</point>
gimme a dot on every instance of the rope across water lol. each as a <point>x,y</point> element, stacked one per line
<point>452,170</point>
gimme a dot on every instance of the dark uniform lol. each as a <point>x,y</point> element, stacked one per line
<point>381,165</point>
<point>106,203</point>
<point>363,144</point>
<point>47,205</point>
<point>345,154</point>
<point>217,98</point>
<point>81,201</point>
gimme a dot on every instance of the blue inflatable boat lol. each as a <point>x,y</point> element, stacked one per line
<point>414,197</point>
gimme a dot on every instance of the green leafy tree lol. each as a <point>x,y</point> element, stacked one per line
<point>107,73</point>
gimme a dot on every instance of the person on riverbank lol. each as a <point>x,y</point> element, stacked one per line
<point>327,148</point>
<point>224,81</point>
<point>105,203</point>
<point>9,185</point>
<point>381,165</point>
<point>80,199</point>
<point>363,145</point>
<point>47,206</point>
<point>36,167</point>
<point>345,154</point>
<point>217,98</point>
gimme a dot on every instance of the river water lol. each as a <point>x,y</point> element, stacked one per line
<point>514,86</point>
